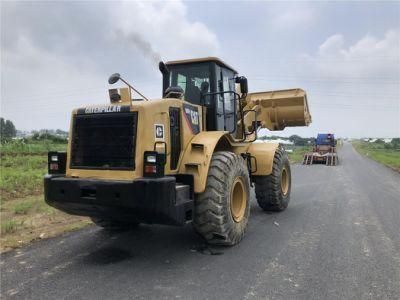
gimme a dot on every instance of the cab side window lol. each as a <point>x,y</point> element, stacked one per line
<point>181,82</point>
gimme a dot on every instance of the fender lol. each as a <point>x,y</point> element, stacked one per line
<point>197,157</point>
<point>264,154</point>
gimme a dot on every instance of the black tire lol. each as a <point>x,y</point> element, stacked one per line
<point>214,217</point>
<point>273,193</point>
<point>112,225</point>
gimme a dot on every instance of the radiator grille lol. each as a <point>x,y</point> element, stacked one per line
<point>104,141</point>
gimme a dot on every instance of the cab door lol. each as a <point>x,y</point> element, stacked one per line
<point>225,101</point>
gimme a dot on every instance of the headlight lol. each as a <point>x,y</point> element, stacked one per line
<point>56,162</point>
<point>153,164</point>
<point>151,159</point>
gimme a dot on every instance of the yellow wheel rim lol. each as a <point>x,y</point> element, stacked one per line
<point>284,181</point>
<point>238,200</point>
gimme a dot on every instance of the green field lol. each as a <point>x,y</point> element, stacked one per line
<point>380,152</point>
<point>298,153</point>
<point>28,146</point>
<point>24,214</point>
<point>23,165</point>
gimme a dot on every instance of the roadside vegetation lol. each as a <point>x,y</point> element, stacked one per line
<point>296,153</point>
<point>24,216</point>
<point>387,154</point>
<point>296,148</point>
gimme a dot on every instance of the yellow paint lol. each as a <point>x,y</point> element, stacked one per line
<point>264,153</point>
<point>197,157</point>
<point>149,113</point>
<point>279,109</point>
<point>275,110</point>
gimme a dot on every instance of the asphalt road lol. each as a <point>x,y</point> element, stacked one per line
<point>339,239</point>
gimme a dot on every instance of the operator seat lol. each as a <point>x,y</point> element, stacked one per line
<point>192,94</point>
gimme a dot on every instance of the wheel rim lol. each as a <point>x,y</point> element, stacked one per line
<point>238,200</point>
<point>284,181</point>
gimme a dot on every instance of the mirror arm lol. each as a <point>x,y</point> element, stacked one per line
<point>133,88</point>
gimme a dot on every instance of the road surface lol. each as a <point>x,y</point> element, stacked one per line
<point>339,239</point>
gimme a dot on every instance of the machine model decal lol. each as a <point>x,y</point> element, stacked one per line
<point>103,109</point>
<point>191,114</point>
<point>159,131</point>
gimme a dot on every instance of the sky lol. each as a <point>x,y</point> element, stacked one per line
<point>56,56</point>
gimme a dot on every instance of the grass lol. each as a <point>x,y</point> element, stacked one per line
<point>23,165</point>
<point>23,207</point>
<point>378,152</point>
<point>30,218</point>
<point>24,214</point>
<point>298,153</point>
<point>31,147</point>
<point>22,175</point>
<point>8,226</point>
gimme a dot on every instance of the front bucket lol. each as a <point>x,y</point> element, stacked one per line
<point>279,109</point>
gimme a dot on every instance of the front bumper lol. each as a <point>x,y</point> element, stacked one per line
<point>145,200</point>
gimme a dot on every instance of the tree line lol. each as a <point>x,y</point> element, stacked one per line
<point>7,129</point>
<point>8,132</point>
<point>300,141</point>
<point>394,144</point>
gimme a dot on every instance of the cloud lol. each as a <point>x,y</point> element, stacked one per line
<point>358,84</point>
<point>57,55</point>
<point>167,27</point>
<point>40,88</point>
<point>367,57</point>
<point>293,16</point>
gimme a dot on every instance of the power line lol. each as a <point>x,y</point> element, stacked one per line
<point>328,80</point>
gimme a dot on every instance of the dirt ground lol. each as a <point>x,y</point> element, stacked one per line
<point>27,219</point>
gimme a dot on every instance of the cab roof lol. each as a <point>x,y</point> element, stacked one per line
<point>202,59</point>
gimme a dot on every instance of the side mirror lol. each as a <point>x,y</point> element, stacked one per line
<point>163,68</point>
<point>114,78</point>
<point>244,88</point>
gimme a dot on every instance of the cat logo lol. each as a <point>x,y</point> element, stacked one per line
<point>103,109</point>
<point>194,115</point>
<point>159,131</point>
<point>191,115</point>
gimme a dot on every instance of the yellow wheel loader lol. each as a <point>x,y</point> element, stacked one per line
<point>187,157</point>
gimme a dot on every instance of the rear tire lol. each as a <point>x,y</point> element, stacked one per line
<point>222,210</point>
<point>273,191</point>
<point>112,225</point>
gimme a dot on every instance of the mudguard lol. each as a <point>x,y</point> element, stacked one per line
<point>264,154</point>
<point>197,157</point>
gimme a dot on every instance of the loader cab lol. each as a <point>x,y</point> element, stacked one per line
<point>208,82</point>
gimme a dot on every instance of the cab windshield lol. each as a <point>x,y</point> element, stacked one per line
<point>193,79</point>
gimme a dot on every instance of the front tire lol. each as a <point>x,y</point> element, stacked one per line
<point>273,191</point>
<point>222,210</point>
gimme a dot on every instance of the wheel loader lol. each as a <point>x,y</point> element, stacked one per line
<point>187,157</point>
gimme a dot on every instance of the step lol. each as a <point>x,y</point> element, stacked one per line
<point>184,199</point>
<point>182,193</point>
